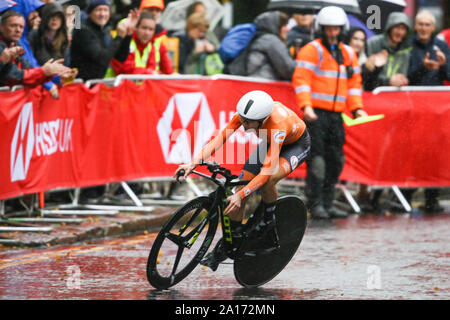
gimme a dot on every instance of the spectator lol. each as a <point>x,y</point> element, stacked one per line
<point>301,34</point>
<point>268,56</point>
<point>155,7</point>
<point>429,66</point>
<point>28,8</point>
<point>394,44</point>
<point>200,7</point>
<point>195,43</point>
<point>147,54</point>
<point>327,81</point>
<point>356,39</point>
<point>50,40</point>
<point>18,70</point>
<point>92,45</point>
<point>196,7</point>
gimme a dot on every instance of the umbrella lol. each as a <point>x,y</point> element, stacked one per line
<point>313,6</point>
<point>6,4</point>
<point>385,6</point>
<point>355,22</point>
<point>174,15</point>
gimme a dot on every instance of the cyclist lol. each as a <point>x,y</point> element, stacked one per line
<point>284,145</point>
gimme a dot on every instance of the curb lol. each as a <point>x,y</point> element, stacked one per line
<point>93,228</point>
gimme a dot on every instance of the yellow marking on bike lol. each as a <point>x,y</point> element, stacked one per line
<point>227,225</point>
<point>182,230</point>
<point>194,238</point>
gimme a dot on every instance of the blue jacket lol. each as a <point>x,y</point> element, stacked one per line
<point>25,7</point>
<point>418,75</point>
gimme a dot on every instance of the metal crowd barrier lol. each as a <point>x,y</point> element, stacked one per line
<point>141,202</point>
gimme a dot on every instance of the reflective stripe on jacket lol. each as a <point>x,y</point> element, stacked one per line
<point>141,61</point>
<point>321,83</point>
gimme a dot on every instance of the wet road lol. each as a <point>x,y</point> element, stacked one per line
<point>367,257</point>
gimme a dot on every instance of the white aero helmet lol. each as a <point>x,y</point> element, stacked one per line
<point>332,16</point>
<point>255,105</point>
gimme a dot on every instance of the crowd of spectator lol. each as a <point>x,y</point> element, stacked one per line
<point>40,44</point>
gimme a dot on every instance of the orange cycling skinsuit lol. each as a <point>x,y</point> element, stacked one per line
<point>284,127</point>
<point>284,145</point>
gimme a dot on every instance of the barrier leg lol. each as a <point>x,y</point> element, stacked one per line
<point>401,198</point>
<point>348,196</point>
<point>76,209</point>
<point>131,194</point>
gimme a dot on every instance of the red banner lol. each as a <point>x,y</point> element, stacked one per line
<point>102,135</point>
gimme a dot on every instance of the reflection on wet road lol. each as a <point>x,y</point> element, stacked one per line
<point>367,257</point>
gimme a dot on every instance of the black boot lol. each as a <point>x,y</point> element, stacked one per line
<point>319,212</point>
<point>223,249</point>
<point>336,213</point>
<point>263,237</point>
<point>215,257</point>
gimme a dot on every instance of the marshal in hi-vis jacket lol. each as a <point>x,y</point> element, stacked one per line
<point>321,83</point>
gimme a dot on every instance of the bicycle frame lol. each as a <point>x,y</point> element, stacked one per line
<point>218,196</point>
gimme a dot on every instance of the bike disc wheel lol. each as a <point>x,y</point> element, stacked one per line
<point>181,243</point>
<point>254,271</point>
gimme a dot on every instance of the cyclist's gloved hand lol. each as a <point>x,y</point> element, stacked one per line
<point>187,170</point>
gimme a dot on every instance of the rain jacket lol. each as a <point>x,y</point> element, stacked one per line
<point>19,71</point>
<point>269,57</point>
<point>93,47</point>
<point>42,48</point>
<point>150,57</point>
<point>25,7</point>
<point>399,56</point>
<point>321,82</point>
<point>189,61</point>
<point>420,76</point>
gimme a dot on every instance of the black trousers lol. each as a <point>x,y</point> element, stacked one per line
<point>326,160</point>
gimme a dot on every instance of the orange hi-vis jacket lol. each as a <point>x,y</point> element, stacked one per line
<point>320,82</point>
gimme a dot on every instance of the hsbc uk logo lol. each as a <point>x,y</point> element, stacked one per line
<point>47,137</point>
<point>186,125</point>
<point>22,144</point>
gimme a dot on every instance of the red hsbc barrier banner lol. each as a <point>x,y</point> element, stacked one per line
<point>103,135</point>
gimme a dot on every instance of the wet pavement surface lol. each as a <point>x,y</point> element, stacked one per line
<point>362,257</point>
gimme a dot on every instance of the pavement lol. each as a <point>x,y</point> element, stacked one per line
<point>86,228</point>
<point>90,227</point>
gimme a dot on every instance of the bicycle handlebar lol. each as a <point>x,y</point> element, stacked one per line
<point>216,169</point>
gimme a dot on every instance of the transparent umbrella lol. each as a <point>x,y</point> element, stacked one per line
<point>174,15</point>
<point>313,6</point>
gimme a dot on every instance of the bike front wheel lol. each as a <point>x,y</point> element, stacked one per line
<point>182,243</point>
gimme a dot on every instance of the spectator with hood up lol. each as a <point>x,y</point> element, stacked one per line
<point>394,44</point>
<point>269,57</point>
<point>51,39</point>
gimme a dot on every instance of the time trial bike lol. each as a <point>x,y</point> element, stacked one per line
<point>186,237</point>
